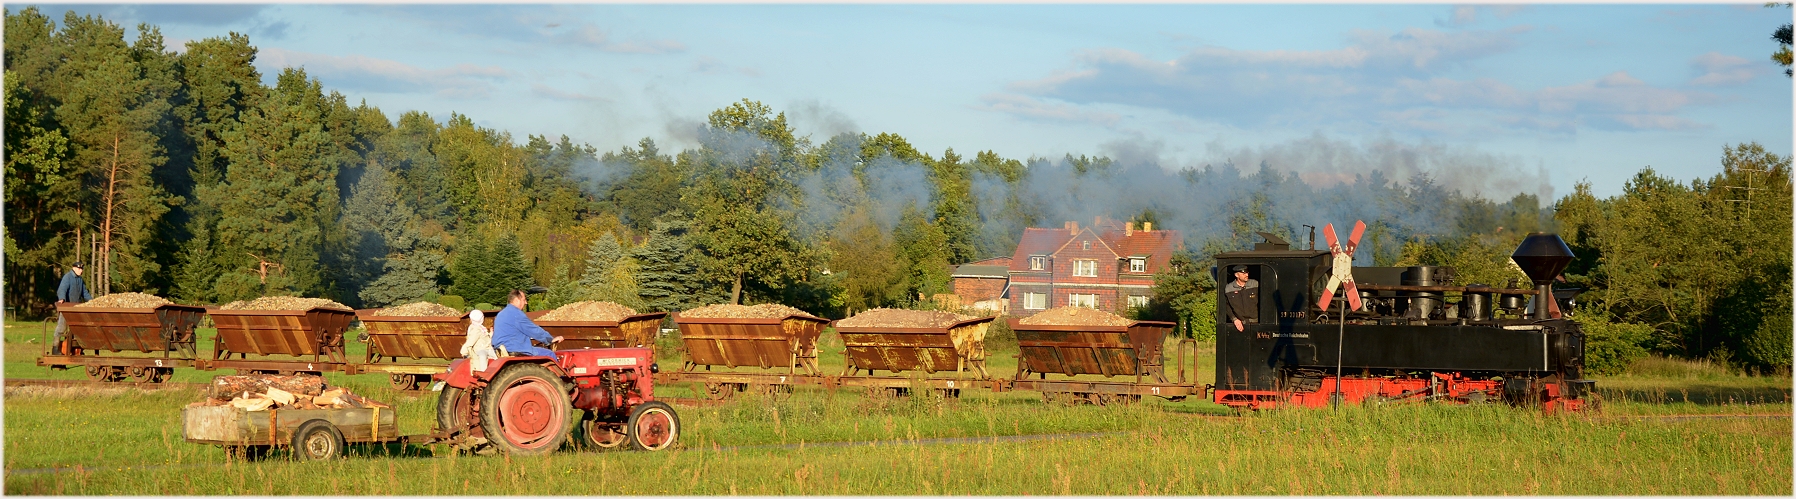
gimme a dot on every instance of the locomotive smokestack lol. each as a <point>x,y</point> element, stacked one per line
<point>1543,257</point>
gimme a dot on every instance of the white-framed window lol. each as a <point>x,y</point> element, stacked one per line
<point>1036,262</point>
<point>1085,268</point>
<point>1088,300</point>
<point>1085,246</point>
<point>1035,301</point>
<point>1137,301</point>
<point>1138,265</point>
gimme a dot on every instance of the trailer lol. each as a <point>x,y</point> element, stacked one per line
<point>1070,351</point>
<point>154,341</point>
<point>946,359</point>
<point>770,345</point>
<point>312,434</point>
<point>294,334</point>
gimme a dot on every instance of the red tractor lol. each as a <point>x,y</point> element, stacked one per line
<point>522,405</point>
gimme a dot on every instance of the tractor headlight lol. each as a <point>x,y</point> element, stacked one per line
<point>654,368</point>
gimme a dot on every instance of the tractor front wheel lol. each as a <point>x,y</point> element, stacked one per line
<point>525,410</point>
<point>653,426</point>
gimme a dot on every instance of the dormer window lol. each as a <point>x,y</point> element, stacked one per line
<point>1037,262</point>
<point>1138,264</point>
<point>1085,246</point>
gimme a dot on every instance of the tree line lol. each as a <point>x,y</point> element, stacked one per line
<point>181,173</point>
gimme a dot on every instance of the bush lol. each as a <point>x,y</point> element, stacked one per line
<point>452,301</point>
<point>1610,347</point>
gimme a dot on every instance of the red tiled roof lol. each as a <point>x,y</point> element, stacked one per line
<point>1037,241</point>
<point>1157,245</point>
<point>1001,260</point>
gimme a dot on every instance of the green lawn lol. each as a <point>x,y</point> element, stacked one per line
<point>124,441</point>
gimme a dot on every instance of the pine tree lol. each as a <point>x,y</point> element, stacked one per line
<point>279,190</point>
<point>394,264</point>
<point>508,267</point>
<point>610,274</point>
<point>669,278</point>
<point>472,281</point>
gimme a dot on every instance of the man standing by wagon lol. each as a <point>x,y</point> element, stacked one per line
<point>73,290</point>
<point>512,330</point>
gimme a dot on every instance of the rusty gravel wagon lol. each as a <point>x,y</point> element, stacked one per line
<point>165,332</point>
<point>956,349</point>
<point>1133,350</point>
<point>292,335</point>
<point>769,345</point>
<point>411,348</point>
<point>632,331</point>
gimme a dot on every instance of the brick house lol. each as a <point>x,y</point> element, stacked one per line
<point>980,285</point>
<point>1108,266</point>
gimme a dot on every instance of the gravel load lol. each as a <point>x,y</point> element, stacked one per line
<point>126,300</point>
<point>1075,316</point>
<point>898,317</point>
<point>418,309</point>
<point>588,311</point>
<point>762,311</point>
<point>285,303</point>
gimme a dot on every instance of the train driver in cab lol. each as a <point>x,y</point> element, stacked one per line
<point>1242,303</point>
<point>512,330</point>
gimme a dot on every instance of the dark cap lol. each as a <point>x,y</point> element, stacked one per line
<point>1237,268</point>
<point>75,265</point>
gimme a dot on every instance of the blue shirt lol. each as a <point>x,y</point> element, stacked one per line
<point>514,330</point>
<point>72,289</point>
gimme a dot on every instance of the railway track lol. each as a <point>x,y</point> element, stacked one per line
<point>71,383</point>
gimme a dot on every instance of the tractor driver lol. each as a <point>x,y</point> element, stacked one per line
<point>1242,305</point>
<point>512,330</point>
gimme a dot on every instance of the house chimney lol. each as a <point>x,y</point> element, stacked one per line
<point>1147,226</point>
<point>1129,228</point>
<point>1072,227</point>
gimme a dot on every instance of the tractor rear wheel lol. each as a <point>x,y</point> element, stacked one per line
<point>526,410</point>
<point>653,426</point>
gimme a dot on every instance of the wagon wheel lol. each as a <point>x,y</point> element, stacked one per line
<point>163,374</point>
<point>721,391</point>
<point>141,374</point>
<point>600,435</point>
<point>653,426</point>
<point>526,410</point>
<point>403,382</point>
<point>98,373</point>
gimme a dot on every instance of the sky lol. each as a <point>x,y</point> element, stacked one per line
<point>1494,100</point>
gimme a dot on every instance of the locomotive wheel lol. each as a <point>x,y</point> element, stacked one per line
<point>403,382</point>
<point>526,410</point>
<point>653,426</point>
<point>317,440</point>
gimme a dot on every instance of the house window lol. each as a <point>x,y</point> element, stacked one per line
<point>1137,301</point>
<point>1086,245</point>
<point>1035,301</point>
<point>1085,268</point>
<point>1035,262</point>
<point>1138,265</point>
<point>1082,300</point>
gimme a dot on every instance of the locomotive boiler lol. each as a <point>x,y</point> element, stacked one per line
<point>1403,340</point>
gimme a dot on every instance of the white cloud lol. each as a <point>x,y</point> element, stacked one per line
<point>1033,108</point>
<point>1378,79</point>
<point>358,72</point>
<point>1721,69</point>
<point>553,93</point>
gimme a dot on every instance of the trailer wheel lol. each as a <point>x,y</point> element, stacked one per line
<point>653,426</point>
<point>317,440</point>
<point>526,410</point>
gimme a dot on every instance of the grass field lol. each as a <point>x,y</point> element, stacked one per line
<point>123,441</point>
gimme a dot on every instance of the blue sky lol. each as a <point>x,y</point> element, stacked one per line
<point>1494,100</point>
